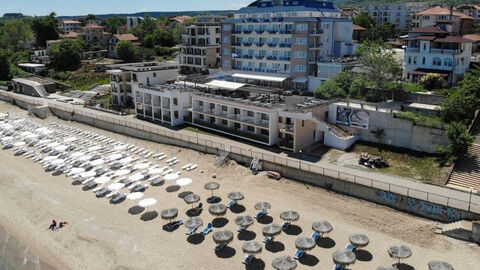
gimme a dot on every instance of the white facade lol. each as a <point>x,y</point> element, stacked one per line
<point>401,14</point>
<point>70,26</point>
<point>133,21</point>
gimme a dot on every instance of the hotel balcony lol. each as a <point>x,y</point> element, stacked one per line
<point>237,132</point>
<point>285,143</point>
<point>285,45</point>
<point>272,32</point>
<point>236,44</point>
<point>236,31</point>
<point>316,46</point>
<point>286,128</point>
<point>284,58</point>
<point>271,57</point>
<point>247,32</point>
<point>259,57</point>
<point>316,32</point>
<point>259,44</point>
<point>285,31</point>
<point>259,31</point>
<point>272,45</point>
<point>247,44</point>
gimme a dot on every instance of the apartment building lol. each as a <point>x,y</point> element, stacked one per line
<point>123,77</point>
<point>133,21</point>
<point>200,48</point>
<point>252,113</point>
<point>280,43</point>
<point>470,10</point>
<point>70,26</point>
<point>434,50</point>
<point>401,14</point>
<point>94,35</point>
<point>461,24</point>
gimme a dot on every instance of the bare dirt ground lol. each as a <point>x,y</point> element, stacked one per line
<point>106,236</point>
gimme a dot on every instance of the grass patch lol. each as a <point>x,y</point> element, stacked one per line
<point>403,162</point>
<point>81,79</point>
<point>418,119</point>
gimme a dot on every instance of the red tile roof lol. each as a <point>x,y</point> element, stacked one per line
<point>473,37</point>
<point>70,22</point>
<point>93,26</point>
<point>69,35</point>
<point>438,10</point>
<point>130,37</point>
<point>181,19</point>
<point>122,27</point>
<point>453,39</point>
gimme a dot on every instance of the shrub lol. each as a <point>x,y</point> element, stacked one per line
<point>432,81</point>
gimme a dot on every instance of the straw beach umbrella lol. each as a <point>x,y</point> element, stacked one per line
<point>344,257</point>
<point>244,221</point>
<point>191,199</point>
<point>322,227</point>
<point>262,206</point>
<point>169,214</point>
<point>386,268</point>
<point>290,216</point>
<point>252,247</point>
<point>272,230</point>
<point>439,265</point>
<point>212,186</point>
<point>304,243</point>
<point>235,195</point>
<point>284,263</point>
<point>218,209</point>
<point>194,222</point>
<point>223,237</point>
<point>399,252</point>
<point>359,240</point>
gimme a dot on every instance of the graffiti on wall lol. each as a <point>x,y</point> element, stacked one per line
<point>420,206</point>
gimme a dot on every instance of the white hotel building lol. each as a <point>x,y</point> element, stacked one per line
<point>284,43</point>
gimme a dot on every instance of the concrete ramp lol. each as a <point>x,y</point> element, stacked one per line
<point>461,230</point>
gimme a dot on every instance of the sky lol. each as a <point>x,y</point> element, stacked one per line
<point>84,7</point>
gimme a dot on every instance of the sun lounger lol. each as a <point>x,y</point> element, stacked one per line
<point>207,229</point>
<point>196,211</point>
<point>191,230</point>
<point>231,203</point>
<point>167,172</point>
<point>267,239</point>
<point>161,157</point>
<point>170,160</point>
<point>186,166</point>
<point>338,267</point>
<point>261,213</point>
<point>174,224</point>
<point>285,225</point>
<point>193,167</point>
<point>248,259</point>
<point>220,247</point>
<point>240,228</point>
<point>350,247</point>
<point>315,236</point>
<point>299,254</point>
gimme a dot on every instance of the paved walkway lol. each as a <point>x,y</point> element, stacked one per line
<point>400,185</point>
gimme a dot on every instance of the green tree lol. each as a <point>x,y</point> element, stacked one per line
<point>4,66</point>
<point>458,106</point>
<point>45,29</point>
<point>66,54</point>
<point>382,32</point>
<point>460,140</point>
<point>112,23</point>
<point>147,26</point>
<point>90,17</point>
<point>144,54</point>
<point>14,33</point>
<point>126,51</point>
<point>432,81</point>
<point>380,64</point>
<point>364,20</point>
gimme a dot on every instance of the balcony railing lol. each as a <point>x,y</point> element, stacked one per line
<point>286,31</point>
<point>259,44</point>
<point>286,127</point>
<point>272,57</point>
<point>272,32</point>
<point>247,44</point>
<point>285,45</point>
<point>246,56</point>
<point>318,45</point>
<point>245,134</point>
<point>316,32</point>
<point>272,45</point>
<point>246,69</point>
<point>285,143</point>
<point>272,71</point>
<point>236,44</point>
<point>413,49</point>
<point>247,31</point>
<point>284,58</point>
<point>260,31</point>
<point>236,31</point>
<point>259,56</point>
<point>259,70</point>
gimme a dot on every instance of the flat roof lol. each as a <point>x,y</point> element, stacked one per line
<point>32,65</point>
<point>259,77</point>
<point>225,84</point>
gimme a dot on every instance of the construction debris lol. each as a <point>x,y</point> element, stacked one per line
<point>371,161</point>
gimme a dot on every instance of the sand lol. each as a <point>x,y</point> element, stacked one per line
<point>107,236</point>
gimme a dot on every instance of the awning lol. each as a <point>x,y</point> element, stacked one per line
<point>425,72</point>
<point>300,80</point>
<point>259,77</point>
<point>225,85</point>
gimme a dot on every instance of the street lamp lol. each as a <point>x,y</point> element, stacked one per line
<point>300,159</point>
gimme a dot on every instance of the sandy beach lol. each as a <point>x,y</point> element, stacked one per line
<point>102,235</point>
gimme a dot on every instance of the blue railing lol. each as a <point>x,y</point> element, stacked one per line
<point>285,45</point>
<point>272,45</point>
<point>247,44</point>
<point>259,44</point>
<point>271,57</point>
<point>284,58</point>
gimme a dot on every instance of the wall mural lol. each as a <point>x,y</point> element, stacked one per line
<point>352,117</point>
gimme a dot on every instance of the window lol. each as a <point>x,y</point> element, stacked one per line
<point>409,60</point>
<point>226,51</point>
<point>300,68</point>
<point>154,74</point>
<point>250,114</point>
<point>448,62</point>
<point>226,63</point>
<point>175,114</point>
<point>226,39</point>
<point>423,60</point>
<point>300,54</point>
<point>227,27</point>
<point>303,123</point>
<point>437,61</point>
<point>301,26</point>
<point>175,101</point>
<point>280,119</point>
<point>300,41</point>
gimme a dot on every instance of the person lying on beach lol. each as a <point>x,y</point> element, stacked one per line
<point>53,225</point>
<point>62,224</point>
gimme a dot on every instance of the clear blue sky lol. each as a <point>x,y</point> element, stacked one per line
<point>83,7</point>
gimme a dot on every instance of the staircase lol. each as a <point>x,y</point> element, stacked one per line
<point>459,230</point>
<point>466,173</point>
<point>221,158</point>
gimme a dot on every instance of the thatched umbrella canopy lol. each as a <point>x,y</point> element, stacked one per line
<point>290,215</point>
<point>262,206</point>
<point>244,221</point>
<point>359,240</point>
<point>272,230</point>
<point>223,237</point>
<point>252,247</point>
<point>235,195</point>
<point>439,265</point>
<point>399,252</point>
<point>169,214</point>
<point>191,199</point>
<point>194,222</point>
<point>386,268</point>
<point>344,257</point>
<point>212,186</point>
<point>284,263</point>
<point>322,226</point>
<point>218,209</point>
<point>304,243</point>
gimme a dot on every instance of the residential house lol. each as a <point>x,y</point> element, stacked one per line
<point>461,24</point>
<point>114,39</point>
<point>431,49</point>
<point>179,20</point>
<point>283,43</point>
<point>70,26</point>
<point>69,35</point>
<point>95,35</point>
<point>200,47</point>
<point>133,21</point>
<point>470,10</point>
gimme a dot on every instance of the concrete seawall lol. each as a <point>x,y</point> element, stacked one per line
<point>416,202</point>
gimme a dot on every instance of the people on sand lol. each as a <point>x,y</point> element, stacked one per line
<point>53,225</point>
<point>62,224</point>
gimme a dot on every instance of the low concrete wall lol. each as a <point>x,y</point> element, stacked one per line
<point>400,202</point>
